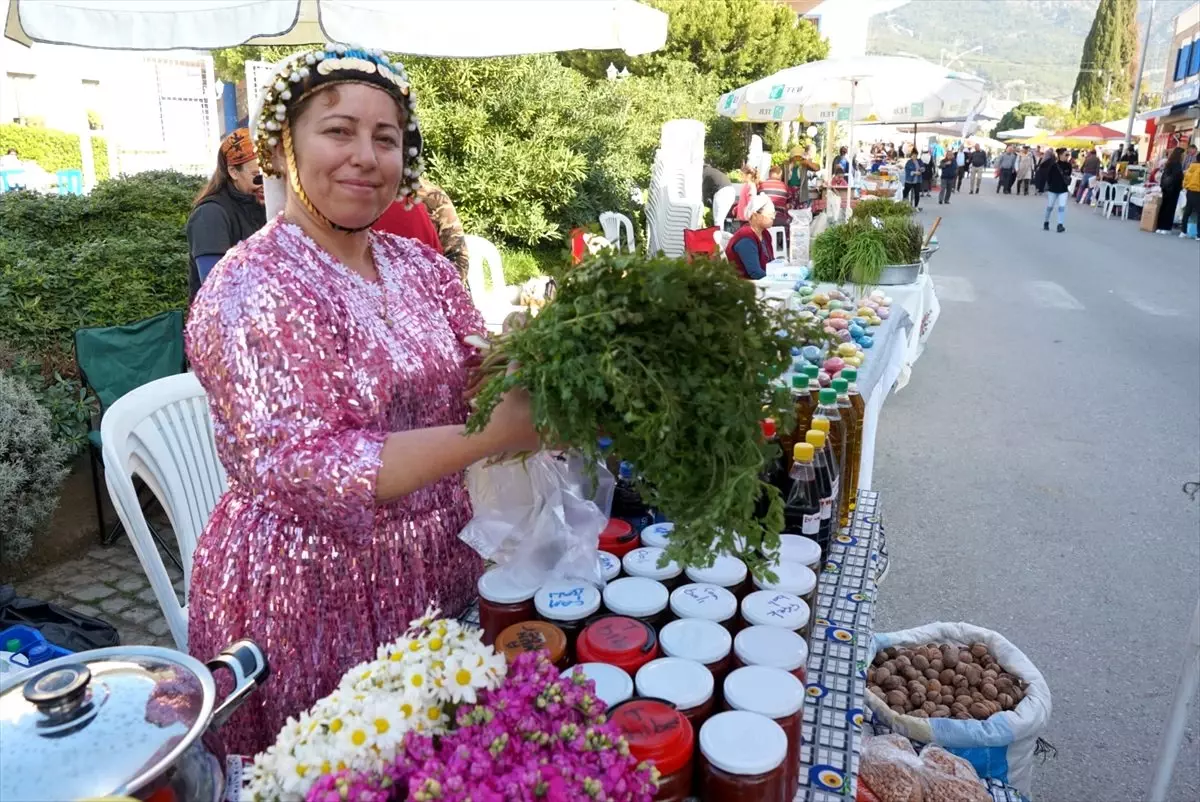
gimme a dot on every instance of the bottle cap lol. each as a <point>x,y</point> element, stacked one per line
<point>812,371</point>
<point>12,645</point>
<point>820,423</point>
<point>816,438</point>
<point>840,386</point>
<point>849,374</point>
<point>828,396</point>
<point>605,443</point>
<point>802,452</point>
<point>800,381</point>
<point>768,428</point>
<point>625,471</point>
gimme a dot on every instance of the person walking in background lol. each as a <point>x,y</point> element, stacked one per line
<point>1171,182</point>
<point>1056,177</point>
<point>1039,174</point>
<point>978,165</point>
<point>1007,165</point>
<point>1025,165</point>
<point>1091,174</point>
<point>949,170</point>
<point>960,163</point>
<point>1189,158</point>
<point>1191,186</point>
<point>913,172</point>
<point>928,172</point>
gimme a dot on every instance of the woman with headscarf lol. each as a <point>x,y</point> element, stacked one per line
<point>228,210</point>
<point>748,250</point>
<point>336,362</point>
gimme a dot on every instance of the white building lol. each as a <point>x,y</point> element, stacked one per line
<point>843,22</point>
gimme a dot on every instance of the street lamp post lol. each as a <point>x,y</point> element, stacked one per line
<point>1137,84</point>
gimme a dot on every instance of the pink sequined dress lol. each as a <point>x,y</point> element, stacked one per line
<point>307,372</point>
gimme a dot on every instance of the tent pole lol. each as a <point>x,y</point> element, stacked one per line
<point>850,149</point>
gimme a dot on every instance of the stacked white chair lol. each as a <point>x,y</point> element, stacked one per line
<point>674,203</point>
<point>618,229</point>
<point>724,199</point>
<point>484,262</point>
<point>1119,199</point>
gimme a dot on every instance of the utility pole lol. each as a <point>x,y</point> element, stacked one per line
<point>1137,84</point>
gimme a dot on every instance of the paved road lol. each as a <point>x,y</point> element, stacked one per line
<point>1031,474</point>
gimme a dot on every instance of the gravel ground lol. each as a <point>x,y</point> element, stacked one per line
<point>1031,474</point>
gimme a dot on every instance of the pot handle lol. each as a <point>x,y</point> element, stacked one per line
<point>249,667</point>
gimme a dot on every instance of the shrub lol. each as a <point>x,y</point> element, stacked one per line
<point>31,469</point>
<point>53,150</point>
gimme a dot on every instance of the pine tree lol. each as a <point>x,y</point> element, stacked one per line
<point>1106,66</point>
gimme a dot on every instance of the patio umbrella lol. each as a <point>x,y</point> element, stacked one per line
<point>1095,132</point>
<point>462,28</point>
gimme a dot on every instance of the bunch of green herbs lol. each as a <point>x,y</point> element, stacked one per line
<point>857,251</point>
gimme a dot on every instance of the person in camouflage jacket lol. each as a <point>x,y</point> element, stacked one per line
<point>445,220</point>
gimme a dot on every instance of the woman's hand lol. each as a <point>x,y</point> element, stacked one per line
<point>511,429</point>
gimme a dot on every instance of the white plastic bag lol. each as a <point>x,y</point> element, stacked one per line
<point>539,519</point>
<point>1003,745</point>
<point>798,235</point>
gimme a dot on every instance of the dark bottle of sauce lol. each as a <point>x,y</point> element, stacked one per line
<point>826,487</point>
<point>802,511</point>
<point>627,502</point>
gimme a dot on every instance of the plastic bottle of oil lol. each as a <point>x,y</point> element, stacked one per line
<point>837,435</point>
<point>805,403</point>
<point>852,407</point>
<point>821,423</point>
<point>826,483</point>
<point>802,512</point>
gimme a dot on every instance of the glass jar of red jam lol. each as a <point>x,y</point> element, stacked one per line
<point>612,684</point>
<point>647,562</point>
<point>657,732</point>
<point>741,758</point>
<point>726,571</point>
<point>618,538</point>
<point>502,603</point>
<point>774,647</point>
<point>776,694</point>
<point>638,597</point>
<point>791,578</point>
<point>657,535</point>
<point>567,605</point>
<point>533,636</point>
<point>610,566</point>
<point>623,642</point>
<point>773,608</point>
<point>710,602</point>
<point>800,549</point>
<point>705,642</point>
<point>684,683</point>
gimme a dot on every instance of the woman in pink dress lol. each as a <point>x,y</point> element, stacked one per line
<point>335,363</point>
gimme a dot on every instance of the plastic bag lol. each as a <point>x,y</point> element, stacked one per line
<point>895,773</point>
<point>799,233</point>
<point>540,518</point>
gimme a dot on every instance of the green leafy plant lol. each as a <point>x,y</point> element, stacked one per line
<point>881,208</point>
<point>31,469</point>
<point>53,150</point>
<point>857,251</point>
<point>674,362</point>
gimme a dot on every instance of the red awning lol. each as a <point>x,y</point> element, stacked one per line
<point>1094,131</point>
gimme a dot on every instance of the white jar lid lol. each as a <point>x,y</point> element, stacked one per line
<point>726,571</point>
<point>702,600</point>
<point>696,639</point>
<point>683,683</point>
<point>742,743</point>
<point>774,608</point>
<point>771,646</point>
<point>613,685</point>
<point>771,692</point>
<point>610,566</point>
<point>567,601</point>
<point>635,596</point>
<point>499,587</point>
<point>644,562</point>
<point>799,549</point>
<point>657,535</point>
<point>790,578</point>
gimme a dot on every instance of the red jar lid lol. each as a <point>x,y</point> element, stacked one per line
<point>655,731</point>
<point>617,533</point>
<point>623,642</point>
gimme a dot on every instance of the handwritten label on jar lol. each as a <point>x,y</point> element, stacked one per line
<point>566,598</point>
<point>811,524</point>
<point>782,606</point>
<point>701,595</point>
<point>618,634</point>
<point>526,640</point>
<point>646,723</point>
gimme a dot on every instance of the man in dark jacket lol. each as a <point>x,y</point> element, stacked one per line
<point>1056,176</point>
<point>711,179</point>
<point>949,170</point>
<point>978,164</point>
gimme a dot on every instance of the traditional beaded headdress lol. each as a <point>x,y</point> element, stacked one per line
<point>302,74</point>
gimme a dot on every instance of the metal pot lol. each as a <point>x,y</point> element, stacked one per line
<point>899,274</point>
<point>120,721</point>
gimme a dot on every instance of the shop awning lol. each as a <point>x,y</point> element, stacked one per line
<point>1154,114</point>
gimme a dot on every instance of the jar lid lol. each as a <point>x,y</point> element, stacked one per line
<point>567,601</point>
<point>696,639</point>
<point>790,578</point>
<point>774,608</point>
<point>126,713</point>
<point>701,600</point>
<point>742,743</point>
<point>616,533</point>
<point>771,646</point>
<point>635,596</point>
<point>616,640</point>
<point>772,692</point>
<point>613,685</point>
<point>531,636</point>
<point>656,731</point>
<point>799,549</point>
<point>657,535</point>
<point>725,571</point>
<point>683,683</point>
<point>645,562</point>
<point>499,587</point>
<point>610,566</point>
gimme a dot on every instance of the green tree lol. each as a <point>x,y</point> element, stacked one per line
<point>229,63</point>
<point>1014,118</point>
<point>1106,66</point>
<point>738,41</point>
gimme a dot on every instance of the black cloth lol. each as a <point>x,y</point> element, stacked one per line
<point>949,169</point>
<point>1191,207</point>
<point>219,222</point>
<point>913,190</point>
<point>1171,179</point>
<point>1055,175</point>
<point>1166,210</point>
<point>68,629</point>
<point>712,179</point>
<point>978,158</point>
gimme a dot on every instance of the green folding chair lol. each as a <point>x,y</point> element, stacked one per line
<point>113,360</point>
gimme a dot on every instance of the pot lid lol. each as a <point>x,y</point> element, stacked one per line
<point>99,723</point>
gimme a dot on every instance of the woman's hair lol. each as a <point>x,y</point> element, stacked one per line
<point>217,182</point>
<point>1176,156</point>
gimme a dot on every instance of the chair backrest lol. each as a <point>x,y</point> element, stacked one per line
<point>483,263</point>
<point>700,241</point>
<point>11,179</point>
<point>723,201</point>
<point>162,432</point>
<point>70,182</point>
<point>778,241</point>
<point>722,240</point>
<point>116,359</point>
<point>618,227</point>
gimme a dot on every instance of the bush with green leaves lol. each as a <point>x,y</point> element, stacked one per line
<point>53,150</point>
<point>32,467</point>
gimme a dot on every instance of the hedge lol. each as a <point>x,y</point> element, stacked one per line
<point>54,150</point>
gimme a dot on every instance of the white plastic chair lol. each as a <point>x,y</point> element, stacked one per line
<point>618,229</point>
<point>723,202</point>
<point>163,433</point>
<point>722,239</point>
<point>1117,198</point>
<point>778,241</point>
<point>494,304</point>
